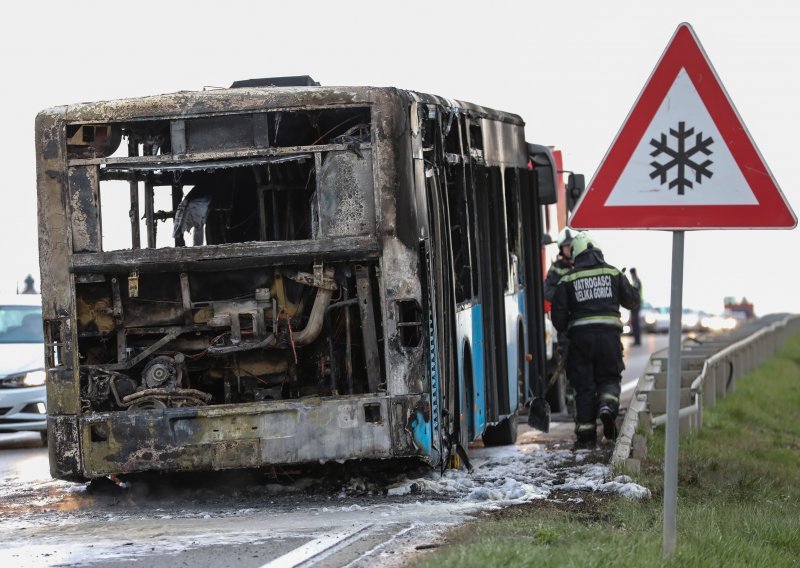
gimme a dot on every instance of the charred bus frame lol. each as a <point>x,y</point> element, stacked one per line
<point>350,275</point>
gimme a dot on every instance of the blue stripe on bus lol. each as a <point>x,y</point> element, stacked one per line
<point>478,379</point>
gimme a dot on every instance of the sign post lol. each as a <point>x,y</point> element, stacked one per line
<point>682,160</point>
<point>673,398</point>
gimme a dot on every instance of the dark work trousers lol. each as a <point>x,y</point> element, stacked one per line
<point>594,369</point>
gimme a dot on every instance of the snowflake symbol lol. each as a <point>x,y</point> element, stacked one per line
<point>681,158</point>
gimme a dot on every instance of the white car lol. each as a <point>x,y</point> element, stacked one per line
<point>23,401</point>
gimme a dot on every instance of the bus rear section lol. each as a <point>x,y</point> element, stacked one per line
<point>222,287</point>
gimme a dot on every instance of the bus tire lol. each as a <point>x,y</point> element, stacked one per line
<point>504,433</point>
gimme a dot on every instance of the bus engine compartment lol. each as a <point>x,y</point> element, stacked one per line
<point>246,335</point>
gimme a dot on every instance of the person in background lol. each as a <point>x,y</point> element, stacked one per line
<point>586,308</point>
<point>635,323</point>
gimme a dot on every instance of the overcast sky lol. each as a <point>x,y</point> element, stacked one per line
<point>572,70</point>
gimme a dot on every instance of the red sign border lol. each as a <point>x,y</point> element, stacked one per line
<point>772,210</point>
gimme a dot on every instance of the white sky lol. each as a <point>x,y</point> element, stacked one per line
<point>572,70</point>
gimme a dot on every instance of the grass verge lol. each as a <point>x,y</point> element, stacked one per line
<point>738,496</point>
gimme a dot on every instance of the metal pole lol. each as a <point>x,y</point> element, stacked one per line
<point>673,398</point>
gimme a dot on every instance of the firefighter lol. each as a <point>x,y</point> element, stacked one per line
<point>560,266</point>
<point>586,308</point>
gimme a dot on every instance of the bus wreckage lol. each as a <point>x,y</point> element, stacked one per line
<point>266,275</point>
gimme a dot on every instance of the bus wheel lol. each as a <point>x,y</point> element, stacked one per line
<point>504,433</point>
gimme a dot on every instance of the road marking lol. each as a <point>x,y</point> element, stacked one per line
<point>323,546</point>
<point>384,544</point>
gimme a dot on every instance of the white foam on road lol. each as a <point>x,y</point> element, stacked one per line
<point>517,474</point>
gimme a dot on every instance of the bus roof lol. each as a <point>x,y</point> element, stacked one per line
<point>244,99</point>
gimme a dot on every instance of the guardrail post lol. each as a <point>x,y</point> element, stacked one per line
<point>723,369</point>
<point>709,385</point>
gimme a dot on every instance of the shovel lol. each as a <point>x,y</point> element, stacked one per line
<point>539,414</point>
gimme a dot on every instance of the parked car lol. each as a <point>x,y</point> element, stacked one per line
<point>23,402</point>
<point>655,320</point>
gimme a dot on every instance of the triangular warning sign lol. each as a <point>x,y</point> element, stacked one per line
<point>683,159</point>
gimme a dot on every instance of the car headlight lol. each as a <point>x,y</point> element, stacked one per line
<point>29,379</point>
<point>729,323</point>
<point>34,378</point>
<point>650,318</point>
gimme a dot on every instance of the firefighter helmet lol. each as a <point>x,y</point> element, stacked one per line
<point>582,242</point>
<point>565,237</point>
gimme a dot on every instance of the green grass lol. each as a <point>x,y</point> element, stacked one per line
<point>738,496</point>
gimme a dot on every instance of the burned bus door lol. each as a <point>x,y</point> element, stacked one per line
<point>442,310</point>
<point>532,232</point>
<point>427,427</point>
<point>490,214</point>
<point>436,256</point>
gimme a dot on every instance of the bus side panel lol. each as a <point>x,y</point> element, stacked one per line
<point>55,248</point>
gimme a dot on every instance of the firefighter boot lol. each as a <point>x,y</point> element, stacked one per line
<point>608,418</point>
<point>586,435</point>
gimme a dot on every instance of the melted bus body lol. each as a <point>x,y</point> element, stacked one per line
<point>253,276</point>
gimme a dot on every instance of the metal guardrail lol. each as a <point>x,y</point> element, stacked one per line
<point>710,367</point>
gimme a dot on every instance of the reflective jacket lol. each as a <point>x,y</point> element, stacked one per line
<point>591,294</point>
<point>559,268</point>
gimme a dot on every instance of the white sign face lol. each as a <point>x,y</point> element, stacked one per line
<point>682,159</point>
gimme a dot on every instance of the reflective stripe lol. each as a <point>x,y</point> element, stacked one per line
<point>588,273</point>
<point>560,271</point>
<point>609,396</point>
<point>583,426</point>
<point>603,320</point>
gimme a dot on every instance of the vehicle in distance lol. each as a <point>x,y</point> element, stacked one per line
<point>725,322</point>
<point>22,377</point>
<point>655,320</point>
<point>691,320</point>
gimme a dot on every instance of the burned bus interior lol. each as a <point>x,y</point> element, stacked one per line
<point>226,326</point>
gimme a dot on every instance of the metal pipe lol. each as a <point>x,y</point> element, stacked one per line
<point>311,331</point>
<point>349,345</point>
<point>136,239</point>
<point>177,197</point>
<point>304,337</point>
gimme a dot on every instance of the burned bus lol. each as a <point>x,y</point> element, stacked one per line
<point>262,275</point>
